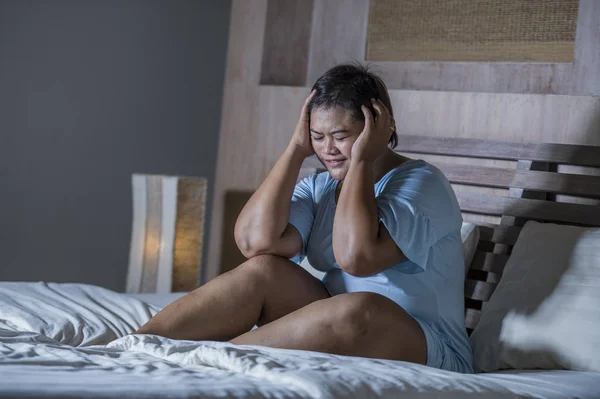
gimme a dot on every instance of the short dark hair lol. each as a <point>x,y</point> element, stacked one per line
<point>349,86</point>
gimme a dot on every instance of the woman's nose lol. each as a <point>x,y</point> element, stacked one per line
<point>330,147</point>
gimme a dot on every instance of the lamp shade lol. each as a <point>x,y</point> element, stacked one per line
<point>167,233</point>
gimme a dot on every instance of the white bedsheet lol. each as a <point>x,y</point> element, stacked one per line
<point>37,360</point>
<point>158,300</point>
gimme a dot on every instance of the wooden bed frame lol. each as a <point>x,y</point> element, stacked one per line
<point>533,186</point>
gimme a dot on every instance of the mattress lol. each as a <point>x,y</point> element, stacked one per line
<point>72,340</point>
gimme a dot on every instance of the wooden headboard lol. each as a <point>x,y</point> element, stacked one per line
<point>535,188</point>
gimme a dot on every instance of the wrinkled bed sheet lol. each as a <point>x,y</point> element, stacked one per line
<point>71,340</point>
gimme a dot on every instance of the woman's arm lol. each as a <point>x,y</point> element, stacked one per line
<point>262,226</point>
<point>361,245</point>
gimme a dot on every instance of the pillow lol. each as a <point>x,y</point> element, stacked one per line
<point>469,235</point>
<point>545,312</point>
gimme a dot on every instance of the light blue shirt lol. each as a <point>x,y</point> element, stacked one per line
<point>419,209</point>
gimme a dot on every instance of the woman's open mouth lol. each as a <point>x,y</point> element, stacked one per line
<point>334,164</point>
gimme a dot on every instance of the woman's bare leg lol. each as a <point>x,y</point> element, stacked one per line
<point>260,290</point>
<point>356,324</point>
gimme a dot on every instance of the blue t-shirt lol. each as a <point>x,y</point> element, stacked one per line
<point>419,209</point>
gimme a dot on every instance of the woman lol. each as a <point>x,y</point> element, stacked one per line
<point>385,228</point>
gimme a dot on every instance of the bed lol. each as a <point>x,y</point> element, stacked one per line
<point>71,340</point>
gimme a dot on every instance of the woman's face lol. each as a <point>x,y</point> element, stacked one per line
<point>333,131</point>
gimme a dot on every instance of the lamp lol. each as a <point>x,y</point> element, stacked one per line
<point>167,233</point>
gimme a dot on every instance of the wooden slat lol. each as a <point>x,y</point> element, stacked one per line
<point>479,290</point>
<point>529,170</point>
<point>493,277</point>
<point>567,154</point>
<point>481,275</point>
<point>524,166</point>
<point>486,246</point>
<point>499,234</point>
<point>490,77</point>
<point>489,262</point>
<point>472,317</point>
<point>588,215</point>
<point>473,304</point>
<point>486,176</point>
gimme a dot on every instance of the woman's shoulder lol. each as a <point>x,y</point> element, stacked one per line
<point>422,187</point>
<point>413,172</point>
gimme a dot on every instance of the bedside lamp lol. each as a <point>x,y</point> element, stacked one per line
<point>167,233</point>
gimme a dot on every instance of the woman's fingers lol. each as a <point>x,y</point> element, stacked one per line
<point>386,112</point>
<point>304,112</point>
<point>391,123</point>
<point>368,117</point>
<point>383,115</point>
<point>382,104</point>
<point>378,109</point>
<point>308,99</point>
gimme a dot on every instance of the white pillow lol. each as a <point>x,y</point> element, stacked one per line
<point>469,235</point>
<point>545,312</point>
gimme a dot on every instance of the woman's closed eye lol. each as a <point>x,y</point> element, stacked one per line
<point>317,137</point>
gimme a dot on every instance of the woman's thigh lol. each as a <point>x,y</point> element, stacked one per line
<point>286,286</point>
<point>354,324</point>
<point>371,325</point>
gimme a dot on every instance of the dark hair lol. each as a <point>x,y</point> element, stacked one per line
<point>350,86</point>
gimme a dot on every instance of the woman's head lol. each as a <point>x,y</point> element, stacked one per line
<point>336,118</point>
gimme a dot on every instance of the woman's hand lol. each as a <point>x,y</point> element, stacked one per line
<point>375,136</point>
<point>301,139</point>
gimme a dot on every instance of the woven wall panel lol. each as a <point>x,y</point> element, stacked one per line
<point>472,30</point>
<point>189,233</point>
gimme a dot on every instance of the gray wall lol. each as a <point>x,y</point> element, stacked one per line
<point>90,92</point>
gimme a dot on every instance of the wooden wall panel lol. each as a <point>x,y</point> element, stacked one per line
<point>286,42</point>
<point>499,116</point>
<point>334,40</point>
<point>239,134</point>
<point>278,115</point>
<point>501,77</point>
<point>587,49</point>
<point>466,30</point>
<point>257,121</point>
<point>339,34</point>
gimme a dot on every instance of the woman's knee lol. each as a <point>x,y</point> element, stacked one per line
<point>266,266</point>
<point>270,272</point>
<point>284,285</point>
<point>354,313</point>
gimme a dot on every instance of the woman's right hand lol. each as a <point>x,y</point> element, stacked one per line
<point>301,139</point>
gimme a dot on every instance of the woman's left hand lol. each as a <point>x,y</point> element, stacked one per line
<point>375,136</point>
